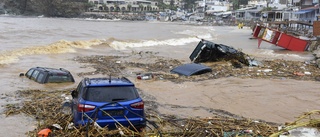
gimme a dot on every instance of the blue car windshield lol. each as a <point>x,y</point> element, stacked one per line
<point>110,94</point>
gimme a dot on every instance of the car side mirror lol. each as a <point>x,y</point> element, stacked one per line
<point>74,94</point>
<point>21,74</point>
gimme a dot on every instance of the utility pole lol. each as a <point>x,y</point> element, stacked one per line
<point>205,6</point>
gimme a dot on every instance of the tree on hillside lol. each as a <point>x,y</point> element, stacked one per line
<point>141,7</point>
<point>236,3</point>
<point>58,8</point>
<point>189,5</point>
<point>14,6</point>
<point>244,2</point>
<point>129,6</point>
<point>24,6</point>
<point>47,7</point>
<point>172,4</point>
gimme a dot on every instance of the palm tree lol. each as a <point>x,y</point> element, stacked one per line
<point>24,7</point>
<point>149,7</point>
<point>129,7</point>
<point>141,7</point>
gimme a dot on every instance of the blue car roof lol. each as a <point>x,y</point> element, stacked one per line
<point>191,69</point>
<point>98,82</point>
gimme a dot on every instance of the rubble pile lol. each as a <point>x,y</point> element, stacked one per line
<point>53,107</point>
<point>47,108</point>
<point>161,66</point>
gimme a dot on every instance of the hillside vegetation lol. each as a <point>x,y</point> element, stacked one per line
<point>50,8</point>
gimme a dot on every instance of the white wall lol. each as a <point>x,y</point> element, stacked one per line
<point>217,8</point>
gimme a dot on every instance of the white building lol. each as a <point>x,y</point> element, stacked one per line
<point>125,5</point>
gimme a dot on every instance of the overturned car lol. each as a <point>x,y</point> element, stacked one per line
<point>207,51</point>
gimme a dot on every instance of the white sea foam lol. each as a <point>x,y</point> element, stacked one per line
<point>54,48</point>
<point>206,36</point>
<point>271,53</point>
<point>101,19</point>
<point>120,45</point>
<point>202,35</point>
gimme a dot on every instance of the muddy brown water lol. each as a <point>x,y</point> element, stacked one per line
<point>29,42</point>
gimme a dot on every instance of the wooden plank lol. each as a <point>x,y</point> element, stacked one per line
<point>316,28</point>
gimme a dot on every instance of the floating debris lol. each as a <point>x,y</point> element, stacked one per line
<point>161,68</point>
<point>47,111</point>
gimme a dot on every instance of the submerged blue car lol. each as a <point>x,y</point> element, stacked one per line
<point>109,102</point>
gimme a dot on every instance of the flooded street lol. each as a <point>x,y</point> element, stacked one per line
<point>52,42</point>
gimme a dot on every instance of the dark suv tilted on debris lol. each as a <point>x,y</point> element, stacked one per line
<point>49,75</point>
<point>108,102</point>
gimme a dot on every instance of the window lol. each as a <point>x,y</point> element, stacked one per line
<point>34,75</point>
<point>40,77</point>
<point>59,78</point>
<point>75,93</point>
<point>29,73</point>
<point>111,94</point>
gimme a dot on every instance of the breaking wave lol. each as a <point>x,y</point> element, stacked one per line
<point>148,43</point>
<point>62,46</point>
<point>122,45</point>
<point>208,30</point>
<point>284,55</point>
<point>209,33</point>
<point>189,36</point>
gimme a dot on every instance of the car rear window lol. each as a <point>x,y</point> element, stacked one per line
<point>110,94</point>
<point>60,78</point>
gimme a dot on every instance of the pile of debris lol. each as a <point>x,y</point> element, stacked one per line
<point>51,107</point>
<point>47,107</point>
<point>161,67</point>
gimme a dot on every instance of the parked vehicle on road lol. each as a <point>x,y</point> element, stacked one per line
<point>108,102</point>
<point>49,75</point>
